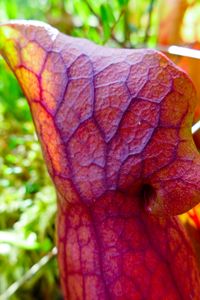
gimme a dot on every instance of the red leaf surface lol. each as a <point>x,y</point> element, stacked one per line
<point>179,22</point>
<point>191,66</point>
<point>191,221</point>
<point>115,129</point>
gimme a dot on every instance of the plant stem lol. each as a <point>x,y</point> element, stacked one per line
<point>28,275</point>
<point>147,31</point>
<point>196,127</point>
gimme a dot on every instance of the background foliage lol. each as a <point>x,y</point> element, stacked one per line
<point>27,197</point>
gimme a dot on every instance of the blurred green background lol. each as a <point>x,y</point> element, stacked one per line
<point>27,197</point>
